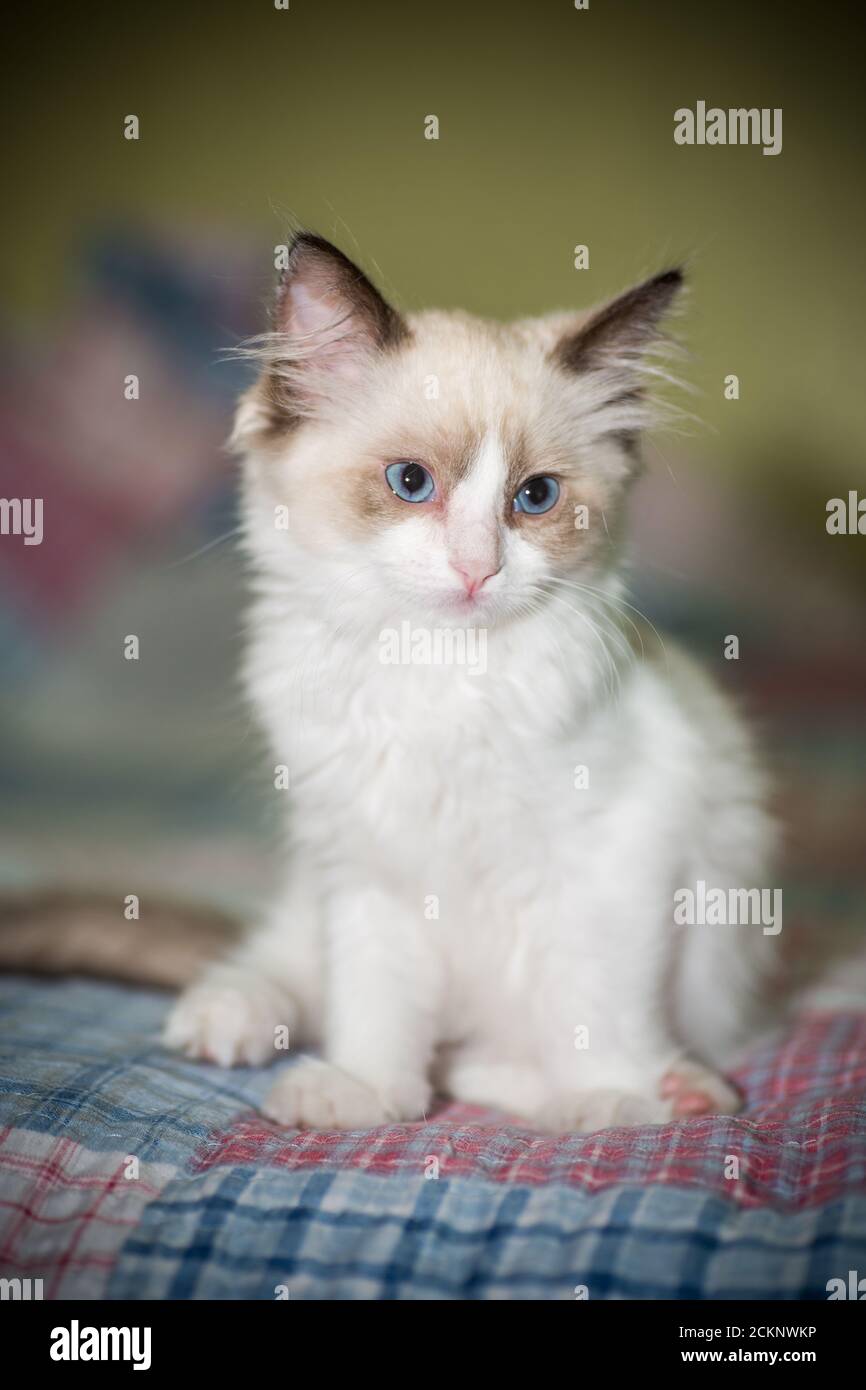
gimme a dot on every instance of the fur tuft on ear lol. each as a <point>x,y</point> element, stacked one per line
<point>620,331</point>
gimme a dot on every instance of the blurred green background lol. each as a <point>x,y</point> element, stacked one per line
<point>556,128</point>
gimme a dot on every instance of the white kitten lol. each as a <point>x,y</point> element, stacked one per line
<point>460,906</point>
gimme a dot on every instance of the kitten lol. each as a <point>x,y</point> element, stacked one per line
<point>460,909</point>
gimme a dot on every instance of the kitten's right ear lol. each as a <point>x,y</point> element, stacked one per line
<point>328,319</point>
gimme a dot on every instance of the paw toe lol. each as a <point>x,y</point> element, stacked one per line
<point>693,1090</point>
<point>232,1022</point>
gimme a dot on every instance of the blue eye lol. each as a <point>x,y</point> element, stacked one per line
<point>410,481</point>
<point>537,495</point>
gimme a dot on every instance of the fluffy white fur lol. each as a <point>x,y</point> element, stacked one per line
<point>417,785</point>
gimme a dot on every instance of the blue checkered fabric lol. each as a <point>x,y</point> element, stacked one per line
<point>223,1205</point>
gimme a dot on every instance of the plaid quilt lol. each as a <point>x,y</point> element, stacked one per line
<point>126,1172</point>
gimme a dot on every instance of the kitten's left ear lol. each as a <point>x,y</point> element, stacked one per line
<point>619,332</point>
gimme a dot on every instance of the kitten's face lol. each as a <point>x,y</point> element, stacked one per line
<point>442,467</point>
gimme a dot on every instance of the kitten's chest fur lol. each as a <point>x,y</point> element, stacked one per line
<point>444,780</point>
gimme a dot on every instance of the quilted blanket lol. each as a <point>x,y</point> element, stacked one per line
<point>126,1172</point>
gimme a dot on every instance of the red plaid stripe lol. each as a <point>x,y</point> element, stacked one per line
<point>65,1211</point>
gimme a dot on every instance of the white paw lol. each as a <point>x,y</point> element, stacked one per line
<point>585,1112</point>
<point>312,1094</point>
<point>232,1018</point>
<point>691,1090</point>
<point>688,1090</point>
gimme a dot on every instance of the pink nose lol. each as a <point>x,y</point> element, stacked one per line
<point>474,576</point>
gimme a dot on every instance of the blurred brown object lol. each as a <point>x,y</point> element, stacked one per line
<point>62,933</point>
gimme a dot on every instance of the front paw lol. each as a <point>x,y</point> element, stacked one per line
<point>313,1094</point>
<point>232,1017</point>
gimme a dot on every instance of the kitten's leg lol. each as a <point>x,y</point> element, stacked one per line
<point>383,992</point>
<point>610,1050</point>
<point>722,989</point>
<point>724,995</point>
<point>237,1013</point>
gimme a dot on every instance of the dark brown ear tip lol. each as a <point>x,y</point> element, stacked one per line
<point>308,249</point>
<point>672,279</point>
<point>309,241</point>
